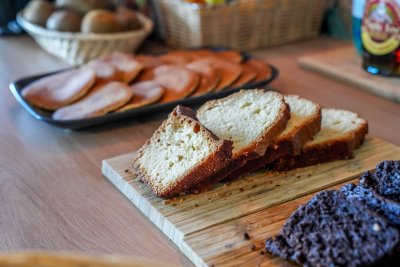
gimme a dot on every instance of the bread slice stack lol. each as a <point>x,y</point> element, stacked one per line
<point>242,133</point>
<point>304,123</point>
<point>189,155</point>
<point>341,132</point>
<point>252,119</point>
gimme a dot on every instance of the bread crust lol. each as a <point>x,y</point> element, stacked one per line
<point>254,150</point>
<point>331,150</point>
<point>212,164</point>
<point>290,144</point>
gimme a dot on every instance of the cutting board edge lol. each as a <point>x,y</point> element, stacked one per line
<point>308,63</point>
<point>109,170</point>
<point>146,208</point>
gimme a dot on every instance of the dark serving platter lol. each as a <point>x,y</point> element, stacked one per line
<point>138,113</point>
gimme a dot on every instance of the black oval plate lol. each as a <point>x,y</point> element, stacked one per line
<point>141,112</point>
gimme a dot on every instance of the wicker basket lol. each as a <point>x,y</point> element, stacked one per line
<point>79,48</point>
<point>242,25</point>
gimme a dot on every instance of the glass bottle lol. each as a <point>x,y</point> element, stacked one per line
<point>380,35</point>
<point>357,12</point>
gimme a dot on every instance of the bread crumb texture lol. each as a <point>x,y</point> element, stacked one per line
<point>243,117</point>
<point>337,123</point>
<point>178,148</point>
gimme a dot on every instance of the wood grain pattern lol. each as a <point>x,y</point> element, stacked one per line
<point>52,194</point>
<point>226,244</point>
<point>186,220</point>
<point>345,65</point>
<point>37,259</point>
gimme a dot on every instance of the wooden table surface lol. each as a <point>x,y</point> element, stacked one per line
<point>52,193</point>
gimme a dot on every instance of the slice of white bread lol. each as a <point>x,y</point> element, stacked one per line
<point>180,154</point>
<point>252,119</point>
<point>341,132</point>
<point>304,123</point>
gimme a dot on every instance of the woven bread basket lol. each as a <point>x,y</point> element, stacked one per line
<point>78,48</point>
<point>245,25</point>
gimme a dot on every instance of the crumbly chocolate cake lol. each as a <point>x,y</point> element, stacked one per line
<point>379,204</point>
<point>379,191</point>
<point>385,181</point>
<point>332,230</point>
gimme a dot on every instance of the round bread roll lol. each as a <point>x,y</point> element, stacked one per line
<point>128,21</point>
<point>38,11</point>
<point>84,6</point>
<point>64,21</point>
<point>100,21</point>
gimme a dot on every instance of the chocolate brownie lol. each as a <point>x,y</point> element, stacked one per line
<point>331,230</point>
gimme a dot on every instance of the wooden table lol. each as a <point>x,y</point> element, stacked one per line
<point>52,193</point>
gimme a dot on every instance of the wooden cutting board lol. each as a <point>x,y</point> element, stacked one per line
<point>344,64</point>
<point>209,228</point>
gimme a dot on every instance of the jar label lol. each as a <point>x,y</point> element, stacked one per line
<point>380,31</point>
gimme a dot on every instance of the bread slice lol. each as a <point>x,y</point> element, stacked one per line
<point>304,123</point>
<point>180,154</point>
<point>341,132</point>
<point>251,119</point>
